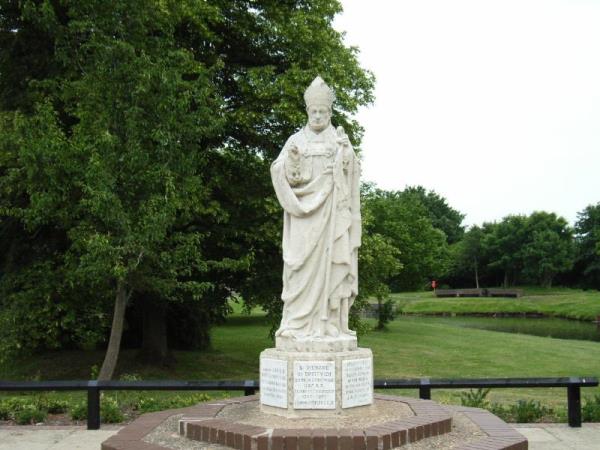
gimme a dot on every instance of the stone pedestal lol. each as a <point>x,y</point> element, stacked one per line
<point>315,384</point>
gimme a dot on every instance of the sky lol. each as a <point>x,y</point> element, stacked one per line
<point>495,105</point>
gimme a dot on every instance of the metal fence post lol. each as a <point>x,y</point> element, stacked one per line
<point>249,387</point>
<point>425,389</point>
<point>574,405</point>
<point>93,406</point>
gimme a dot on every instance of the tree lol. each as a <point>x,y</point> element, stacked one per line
<point>442,216</point>
<point>549,249</point>
<point>405,222</point>
<point>503,244</point>
<point>468,255</point>
<point>587,240</point>
<point>131,133</point>
<point>379,262</point>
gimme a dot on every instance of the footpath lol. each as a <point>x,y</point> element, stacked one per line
<point>541,437</point>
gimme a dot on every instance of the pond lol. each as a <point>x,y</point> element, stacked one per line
<point>545,327</point>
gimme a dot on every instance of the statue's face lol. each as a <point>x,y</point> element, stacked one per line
<point>319,117</point>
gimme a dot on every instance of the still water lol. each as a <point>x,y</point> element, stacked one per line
<point>546,327</point>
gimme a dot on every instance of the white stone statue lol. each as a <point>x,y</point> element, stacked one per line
<point>316,179</point>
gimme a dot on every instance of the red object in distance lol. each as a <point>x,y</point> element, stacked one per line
<point>433,284</point>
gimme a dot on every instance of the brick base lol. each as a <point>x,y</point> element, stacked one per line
<point>201,423</point>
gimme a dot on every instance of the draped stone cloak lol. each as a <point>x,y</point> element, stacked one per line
<point>321,230</point>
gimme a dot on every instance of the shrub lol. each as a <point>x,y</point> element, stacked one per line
<point>4,411</point>
<point>498,410</point>
<point>475,399</point>
<point>30,415</point>
<point>591,409</point>
<point>151,404</point>
<point>78,411</point>
<point>526,411</point>
<point>130,377</point>
<point>56,406</point>
<point>110,412</point>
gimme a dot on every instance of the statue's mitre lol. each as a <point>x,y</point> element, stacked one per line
<point>318,93</point>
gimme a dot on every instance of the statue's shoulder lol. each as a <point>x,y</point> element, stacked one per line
<point>296,138</point>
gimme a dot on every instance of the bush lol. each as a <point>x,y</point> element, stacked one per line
<point>4,411</point>
<point>56,406</point>
<point>498,410</point>
<point>78,411</point>
<point>526,411</point>
<point>10,407</point>
<point>475,399</point>
<point>591,409</point>
<point>110,412</point>
<point>151,404</point>
<point>30,415</point>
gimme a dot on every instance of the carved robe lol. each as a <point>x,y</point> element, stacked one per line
<point>321,231</point>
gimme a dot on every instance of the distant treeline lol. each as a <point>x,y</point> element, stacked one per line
<point>539,249</point>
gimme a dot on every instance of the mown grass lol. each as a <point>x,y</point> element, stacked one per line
<point>409,348</point>
<point>561,302</point>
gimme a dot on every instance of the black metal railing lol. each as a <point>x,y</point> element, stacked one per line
<point>249,387</point>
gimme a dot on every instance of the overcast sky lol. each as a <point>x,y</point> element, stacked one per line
<point>493,104</point>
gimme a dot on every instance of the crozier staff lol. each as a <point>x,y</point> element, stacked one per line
<point>316,179</point>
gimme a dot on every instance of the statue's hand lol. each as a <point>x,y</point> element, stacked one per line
<point>343,141</point>
<point>342,137</point>
<point>328,169</point>
<point>294,152</point>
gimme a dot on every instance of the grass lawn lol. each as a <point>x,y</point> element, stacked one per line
<point>409,348</point>
<point>558,302</point>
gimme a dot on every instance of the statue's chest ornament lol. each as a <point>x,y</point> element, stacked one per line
<point>320,149</point>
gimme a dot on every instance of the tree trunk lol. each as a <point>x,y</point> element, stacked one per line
<point>505,284</point>
<point>116,332</point>
<point>476,275</point>
<point>547,281</point>
<point>154,333</point>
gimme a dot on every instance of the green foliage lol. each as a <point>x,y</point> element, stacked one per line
<point>524,411</point>
<point>443,217</point>
<point>404,222</point>
<point>385,313</point>
<point>27,410</point>
<point>30,415</point>
<point>468,260</point>
<point>110,412</point>
<point>549,249</point>
<point>135,142</point>
<point>528,411</point>
<point>150,404</point>
<point>56,406</point>
<point>475,398</point>
<point>78,411</point>
<point>587,240</point>
<point>518,249</point>
<point>590,411</point>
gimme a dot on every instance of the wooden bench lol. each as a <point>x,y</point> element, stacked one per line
<point>488,292</point>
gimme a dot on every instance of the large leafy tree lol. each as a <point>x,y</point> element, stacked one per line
<point>468,258</point>
<point>587,238</point>
<point>136,138</point>
<point>503,243</point>
<point>549,249</point>
<point>442,216</point>
<point>520,248</point>
<point>405,222</point>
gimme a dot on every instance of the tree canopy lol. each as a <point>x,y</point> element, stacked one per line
<point>136,140</point>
